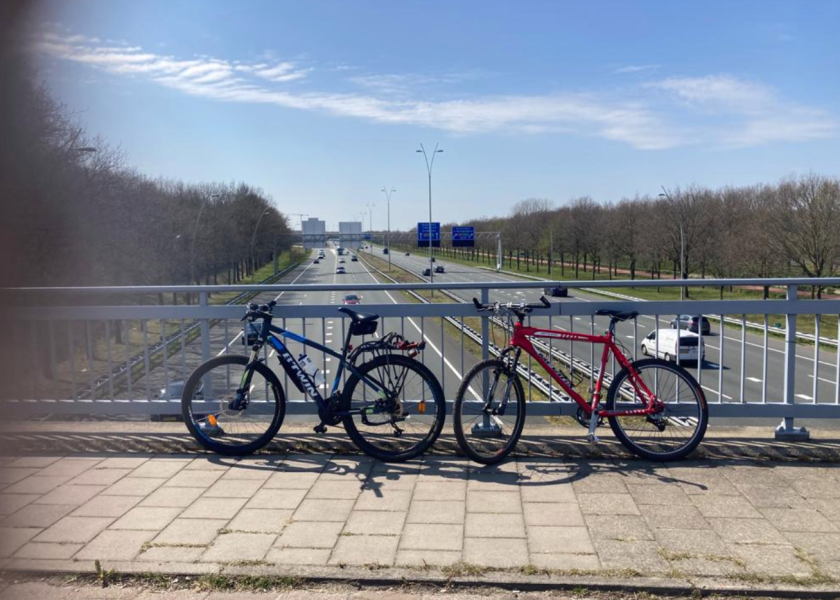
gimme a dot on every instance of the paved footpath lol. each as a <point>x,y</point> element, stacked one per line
<point>736,522</point>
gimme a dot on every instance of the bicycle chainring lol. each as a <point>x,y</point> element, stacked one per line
<point>582,417</point>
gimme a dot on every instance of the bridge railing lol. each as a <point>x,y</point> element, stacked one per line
<point>127,350</point>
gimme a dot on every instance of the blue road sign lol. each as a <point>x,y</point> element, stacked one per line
<point>367,236</point>
<point>463,237</point>
<point>423,234</point>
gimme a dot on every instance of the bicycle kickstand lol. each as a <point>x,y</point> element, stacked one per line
<point>593,423</point>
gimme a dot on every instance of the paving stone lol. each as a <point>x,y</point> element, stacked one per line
<point>614,504</point>
<point>74,529</point>
<point>642,557</point>
<point>298,556</point>
<point>703,566</point>
<point>97,476</point>
<point>824,546</point>
<point>193,479</point>
<point>173,497</point>
<point>147,518</point>
<point>494,482</point>
<point>115,545</point>
<point>107,506</point>
<point>323,510</point>
<point>45,551</point>
<point>424,558</point>
<point>159,467</point>
<point>9,475</point>
<point>391,500</point>
<point>747,531</point>
<point>37,515</point>
<point>798,519</point>
<point>191,531</point>
<point>261,520</point>
<point>817,488</point>
<point>74,495</point>
<point>429,511</point>
<point>699,542</point>
<point>171,554</point>
<point>70,467</point>
<point>309,535</point>
<point>365,549</point>
<point>432,537</point>
<point>375,522</point>
<point>213,508</point>
<point>12,538</point>
<point>669,494</point>
<point>37,484</point>
<point>828,507</point>
<point>566,562</point>
<point>625,528</point>
<point>34,591</point>
<point>134,486</point>
<point>250,468</point>
<point>10,503</point>
<point>774,561</point>
<point>489,525</point>
<point>391,481</point>
<point>673,517</point>
<point>751,474</point>
<point>501,553</point>
<point>123,462</point>
<point>440,490</point>
<point>493,502</point>
<point>211,463</point>
<point>732,507</point>
<point>761,496</point>
<point>242,488</point>
<point>32,462</point>
<point>239,546</point>
<point>335,490</point>
<point>573,540</point>
<point>552,492</point>
<point>288,499</point>
<point>558,515</point>
<point>291,481</point>
<point>695,480</point>
<point>600,483</point>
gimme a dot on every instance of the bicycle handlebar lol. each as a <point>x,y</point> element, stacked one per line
<point>521,307</point>
<point>260,311</point>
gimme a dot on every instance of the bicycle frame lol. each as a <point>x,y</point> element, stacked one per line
<point>520,340</point>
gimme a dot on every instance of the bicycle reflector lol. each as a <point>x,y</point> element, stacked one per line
<point>421,407</point>
<point>212,420</point>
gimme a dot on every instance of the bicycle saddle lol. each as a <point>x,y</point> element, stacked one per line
<point>618,315</point>
<point>357,316</point>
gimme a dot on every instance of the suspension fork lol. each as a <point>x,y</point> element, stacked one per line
<point>506,394</point>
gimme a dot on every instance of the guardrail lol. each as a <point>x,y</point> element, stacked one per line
<point>55,347</point>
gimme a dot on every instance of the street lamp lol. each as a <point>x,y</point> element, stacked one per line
<point>254,239</point>
<point>195,231</point>
<point>429,166</point>
<point>665,194</point>
<point>370,208</point>
<point>388,244</point>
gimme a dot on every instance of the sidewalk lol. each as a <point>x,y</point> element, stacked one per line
<point>732,522</point>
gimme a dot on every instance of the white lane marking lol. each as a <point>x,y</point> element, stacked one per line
<point>811,375</point>
<point>715,392</point>
<point>804,396</point>
<point>755,379</point>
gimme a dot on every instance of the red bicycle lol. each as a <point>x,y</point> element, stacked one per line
<point>655,408</point>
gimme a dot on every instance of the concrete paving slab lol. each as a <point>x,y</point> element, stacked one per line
<point>430,511</point>
<point>365,550</point>
<point>261,520</point>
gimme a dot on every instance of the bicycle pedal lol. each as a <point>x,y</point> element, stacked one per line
<point>593,439</point>
<point>320,428</point>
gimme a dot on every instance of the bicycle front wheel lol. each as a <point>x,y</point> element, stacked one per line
<point>489,412</point>
<point>225,419</point>
<point>403,421</point>
<point>671,434</point>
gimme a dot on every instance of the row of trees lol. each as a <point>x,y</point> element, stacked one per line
<point>789,228</point>
<point>74,213</point>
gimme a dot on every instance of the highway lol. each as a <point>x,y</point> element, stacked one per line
<point>709,376</point>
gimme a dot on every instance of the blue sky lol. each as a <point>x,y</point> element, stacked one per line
<point>322,103</point>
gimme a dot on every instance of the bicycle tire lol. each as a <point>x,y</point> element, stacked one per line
<point>691,385</point>
<point>368,446</point>
<point>458,411</point>
<point>192,386</point>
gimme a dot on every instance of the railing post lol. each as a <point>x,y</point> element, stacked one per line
<point>786,430</point>
<point>485,326</point>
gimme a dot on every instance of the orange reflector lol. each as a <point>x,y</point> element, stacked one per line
<point>212,420</point>
<point>421,408</point>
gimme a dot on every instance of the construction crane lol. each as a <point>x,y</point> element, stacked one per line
<point>301,215</point>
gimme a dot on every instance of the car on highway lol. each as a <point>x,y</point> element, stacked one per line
<point>339,271</point>
<point>407,254</point>
<point>384,250</point>
<point>341,260</point>
<point>690,322</point>
<point>557,291</point>
<point>434,259</point>
<point>439,269</point>
<point>354,258</point>
<point>175,390</point>
<point>671,343</point>
<point>427,272</point>
<point>352,299</point>
<point>316,262</point>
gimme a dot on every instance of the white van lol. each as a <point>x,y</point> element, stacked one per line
<point>689,345</point>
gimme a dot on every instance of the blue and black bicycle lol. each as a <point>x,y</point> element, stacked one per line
<point>392,406</point>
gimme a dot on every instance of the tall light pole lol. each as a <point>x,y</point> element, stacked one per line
<point>195,231</point>
<point>370,208</point>
<point>388,244</point>
<point>254,239</point>
<point>683,274</point>
<point>429,166</point>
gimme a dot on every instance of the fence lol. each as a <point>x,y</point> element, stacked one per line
<point>60,355</point>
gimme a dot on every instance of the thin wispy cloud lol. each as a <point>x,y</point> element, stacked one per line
<point>401,99</point>
<point>636,69</point>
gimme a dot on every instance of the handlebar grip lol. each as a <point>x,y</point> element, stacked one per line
<point>477,303</point>
<point>272,304</point>
<point>545,302</point>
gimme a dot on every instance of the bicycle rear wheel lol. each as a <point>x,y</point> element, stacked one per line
<point>678,429</point>
<point>403,424</point>
<point>489,412</point>
<point>206,406</point>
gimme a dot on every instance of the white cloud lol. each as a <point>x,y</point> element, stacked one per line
<point>636,69</point>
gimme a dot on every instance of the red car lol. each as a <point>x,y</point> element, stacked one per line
<point>352,299</point>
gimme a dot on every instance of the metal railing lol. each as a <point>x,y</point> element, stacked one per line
<point>59,353</point>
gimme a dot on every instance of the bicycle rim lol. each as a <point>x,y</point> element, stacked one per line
<point>675,431</point>
<point>489,412</point>
<point>208,398</point>
<point>401,428</point>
